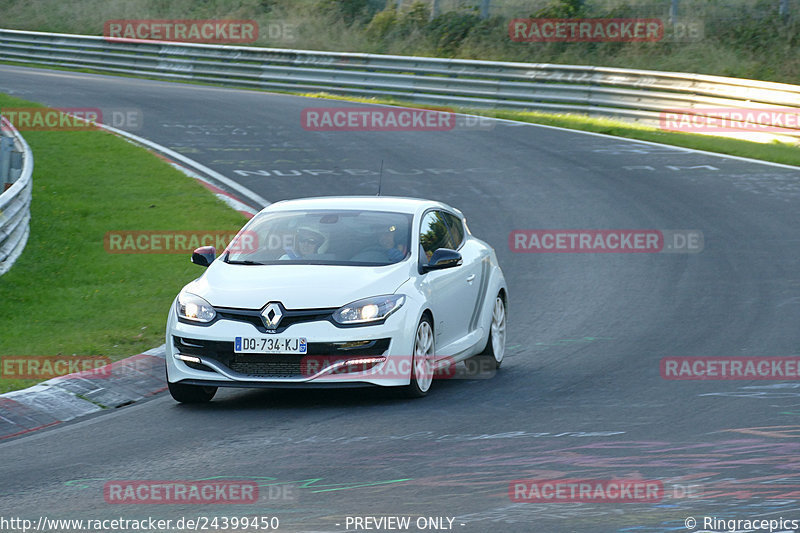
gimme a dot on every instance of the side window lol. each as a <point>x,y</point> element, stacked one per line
<point>456,229</point>
<point>433,234</point>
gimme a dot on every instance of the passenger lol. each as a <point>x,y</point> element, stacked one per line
<point>386,239</point>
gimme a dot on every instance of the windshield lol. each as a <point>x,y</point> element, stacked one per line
<point>344,237</point>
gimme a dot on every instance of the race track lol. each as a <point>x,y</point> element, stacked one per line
<point>580,395</point>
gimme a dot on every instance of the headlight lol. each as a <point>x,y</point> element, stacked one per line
<point>369,309</point>
<point>192,307</point>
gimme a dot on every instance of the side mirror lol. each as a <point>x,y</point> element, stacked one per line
<point>443,258</point>
<point>204,256</point>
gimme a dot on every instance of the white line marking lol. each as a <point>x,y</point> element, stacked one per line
<point>244,191</point>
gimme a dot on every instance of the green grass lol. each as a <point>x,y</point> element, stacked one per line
<point>66,295</point>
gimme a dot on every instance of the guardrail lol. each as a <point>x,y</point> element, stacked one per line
<point>634,95</point>
<point>16,180</point>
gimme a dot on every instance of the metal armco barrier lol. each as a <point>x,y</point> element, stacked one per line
<point>16,179</point>
<point>633,95</point>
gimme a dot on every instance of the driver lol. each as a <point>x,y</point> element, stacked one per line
<point>307,242</point>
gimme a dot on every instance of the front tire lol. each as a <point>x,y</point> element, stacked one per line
<point>191,393</point>
<point>422,361</point>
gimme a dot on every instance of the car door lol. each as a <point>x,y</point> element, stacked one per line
<point>472,273</point>
<point>443,288</point>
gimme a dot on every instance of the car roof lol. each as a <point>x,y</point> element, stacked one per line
<point>366,203</point>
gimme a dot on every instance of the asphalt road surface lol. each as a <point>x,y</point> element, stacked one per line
<point>580,395</point>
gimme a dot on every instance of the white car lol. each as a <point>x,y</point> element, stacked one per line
<point>338,291</point>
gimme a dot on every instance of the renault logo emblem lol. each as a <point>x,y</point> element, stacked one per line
<point>271,315</point>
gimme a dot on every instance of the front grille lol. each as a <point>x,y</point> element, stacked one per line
<point>290,317</point>
<point>268,366</point>
<point>272,365</point>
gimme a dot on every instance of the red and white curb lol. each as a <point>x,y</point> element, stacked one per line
<point>228,198</point>
<point>207,176</point>
<point>67,397</point>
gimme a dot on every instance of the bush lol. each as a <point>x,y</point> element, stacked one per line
<point>447,31</point>
<point>382,24</point>
<point>350,11</point>
<point>562,9</point>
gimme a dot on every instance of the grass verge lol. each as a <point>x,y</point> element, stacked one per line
<point>66,295</point>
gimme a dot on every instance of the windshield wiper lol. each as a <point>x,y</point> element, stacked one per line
<point>246,262</point>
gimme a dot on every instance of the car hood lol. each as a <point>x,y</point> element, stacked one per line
<point>296,286</point>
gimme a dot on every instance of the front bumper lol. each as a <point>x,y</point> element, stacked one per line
<point>337,356</point>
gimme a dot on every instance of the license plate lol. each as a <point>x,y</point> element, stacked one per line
<point>270,345</point>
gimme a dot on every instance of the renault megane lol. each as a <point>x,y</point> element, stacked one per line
<point>338,291</point>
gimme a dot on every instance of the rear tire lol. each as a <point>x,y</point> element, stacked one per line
<point>422,360</point>
<point>191,393</point>
<point>496,345</point>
